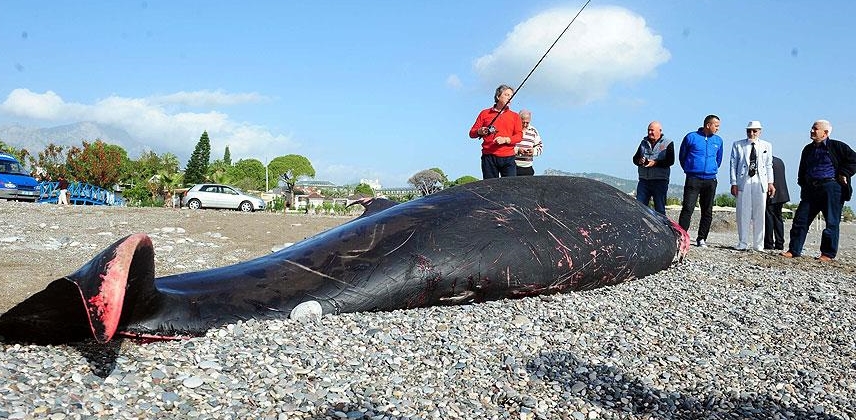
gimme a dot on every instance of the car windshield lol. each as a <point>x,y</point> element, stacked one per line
<point>8,167</point>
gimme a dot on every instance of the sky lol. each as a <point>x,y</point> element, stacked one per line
<point>383,89</point>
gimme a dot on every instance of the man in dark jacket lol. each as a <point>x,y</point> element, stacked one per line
<point>654,156</point>
<point>774,225</point>
<point>826,169</point>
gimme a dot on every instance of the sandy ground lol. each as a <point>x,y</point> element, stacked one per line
<point>40,242</point>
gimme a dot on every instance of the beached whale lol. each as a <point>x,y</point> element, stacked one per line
<point>486,240</point>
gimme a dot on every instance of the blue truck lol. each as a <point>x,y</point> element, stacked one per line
<point>15,182</point>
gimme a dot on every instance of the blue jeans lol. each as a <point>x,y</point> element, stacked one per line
<point>703,191</point>
<point>822,198</point>
<point>647,189</point>
<point>494,166</point>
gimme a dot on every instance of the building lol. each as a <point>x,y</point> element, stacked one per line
<point>373,183</point>
<point>311,200</point>
<point>313,184</point>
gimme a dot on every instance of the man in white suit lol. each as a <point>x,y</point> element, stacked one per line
<point>751,183</point>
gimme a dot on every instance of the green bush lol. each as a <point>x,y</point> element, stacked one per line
<point>725,200</point>
<point>340,209</point>
<point>277,204</point>
<point>328,207</point>
<point>790,206</point>
<point>847,214</point>
<point>140,196</point>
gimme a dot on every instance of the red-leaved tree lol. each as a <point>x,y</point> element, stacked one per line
<point>97,163</point>
<point>51,162</point>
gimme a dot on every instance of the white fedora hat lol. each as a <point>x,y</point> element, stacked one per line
<point>754,124</point>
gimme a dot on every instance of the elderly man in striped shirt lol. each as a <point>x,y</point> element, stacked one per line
<point>529,147</point>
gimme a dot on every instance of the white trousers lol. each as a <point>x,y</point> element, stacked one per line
<point>62,197</point>
<point>751,204</point>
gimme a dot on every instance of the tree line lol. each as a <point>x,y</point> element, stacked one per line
<point>147,179</point>
<point>151,176</point>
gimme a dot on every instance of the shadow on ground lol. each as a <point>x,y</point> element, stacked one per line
<point>622,393</point>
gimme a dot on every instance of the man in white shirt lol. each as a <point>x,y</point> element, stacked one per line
<point>529,147</point>
<point>751,183</point>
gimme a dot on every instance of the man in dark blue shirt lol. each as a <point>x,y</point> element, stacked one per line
<point>826,168</point>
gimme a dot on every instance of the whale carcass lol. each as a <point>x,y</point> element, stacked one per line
<point>486,240</point>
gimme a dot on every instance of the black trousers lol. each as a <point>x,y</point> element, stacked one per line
<point>525,171</point>
<point>774,227</point>
<point>702,191</point>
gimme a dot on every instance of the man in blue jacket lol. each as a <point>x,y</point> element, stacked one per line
<point>700,157</point>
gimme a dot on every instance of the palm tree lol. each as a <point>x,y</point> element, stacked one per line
<point>169,162</point>
<point>170,181</point>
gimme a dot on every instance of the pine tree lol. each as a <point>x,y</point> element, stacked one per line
<point>197,166</point>
<point>227,157</point>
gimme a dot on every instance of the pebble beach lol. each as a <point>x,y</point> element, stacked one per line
<point>723,335</point>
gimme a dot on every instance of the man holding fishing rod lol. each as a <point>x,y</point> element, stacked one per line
<point>500,129</point>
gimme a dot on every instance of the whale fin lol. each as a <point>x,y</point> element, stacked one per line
<point>373,205</point>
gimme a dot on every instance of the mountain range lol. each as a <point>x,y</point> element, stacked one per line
<point>36,139</point>
<point>626,185</point>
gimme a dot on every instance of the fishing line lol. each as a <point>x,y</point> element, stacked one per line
<point>490,126</point>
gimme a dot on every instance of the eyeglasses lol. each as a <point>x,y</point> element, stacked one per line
<point>753,130</point>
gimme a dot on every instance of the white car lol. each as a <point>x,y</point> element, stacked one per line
<point>219,196</point>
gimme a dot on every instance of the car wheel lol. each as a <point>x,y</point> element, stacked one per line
<point>246,206</point>
<point>194,204</point>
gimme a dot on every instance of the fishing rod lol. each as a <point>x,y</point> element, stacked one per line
<point>491,128</point>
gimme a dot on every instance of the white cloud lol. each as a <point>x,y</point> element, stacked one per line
<point>207,98</point>
<point>151,122</point>
<point>47,106</point>
<point>454,82</point>
<point>604,46</point>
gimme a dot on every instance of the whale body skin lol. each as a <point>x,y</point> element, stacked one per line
<point>486,240</point>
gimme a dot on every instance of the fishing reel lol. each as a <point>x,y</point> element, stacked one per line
<point>490,130</point>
